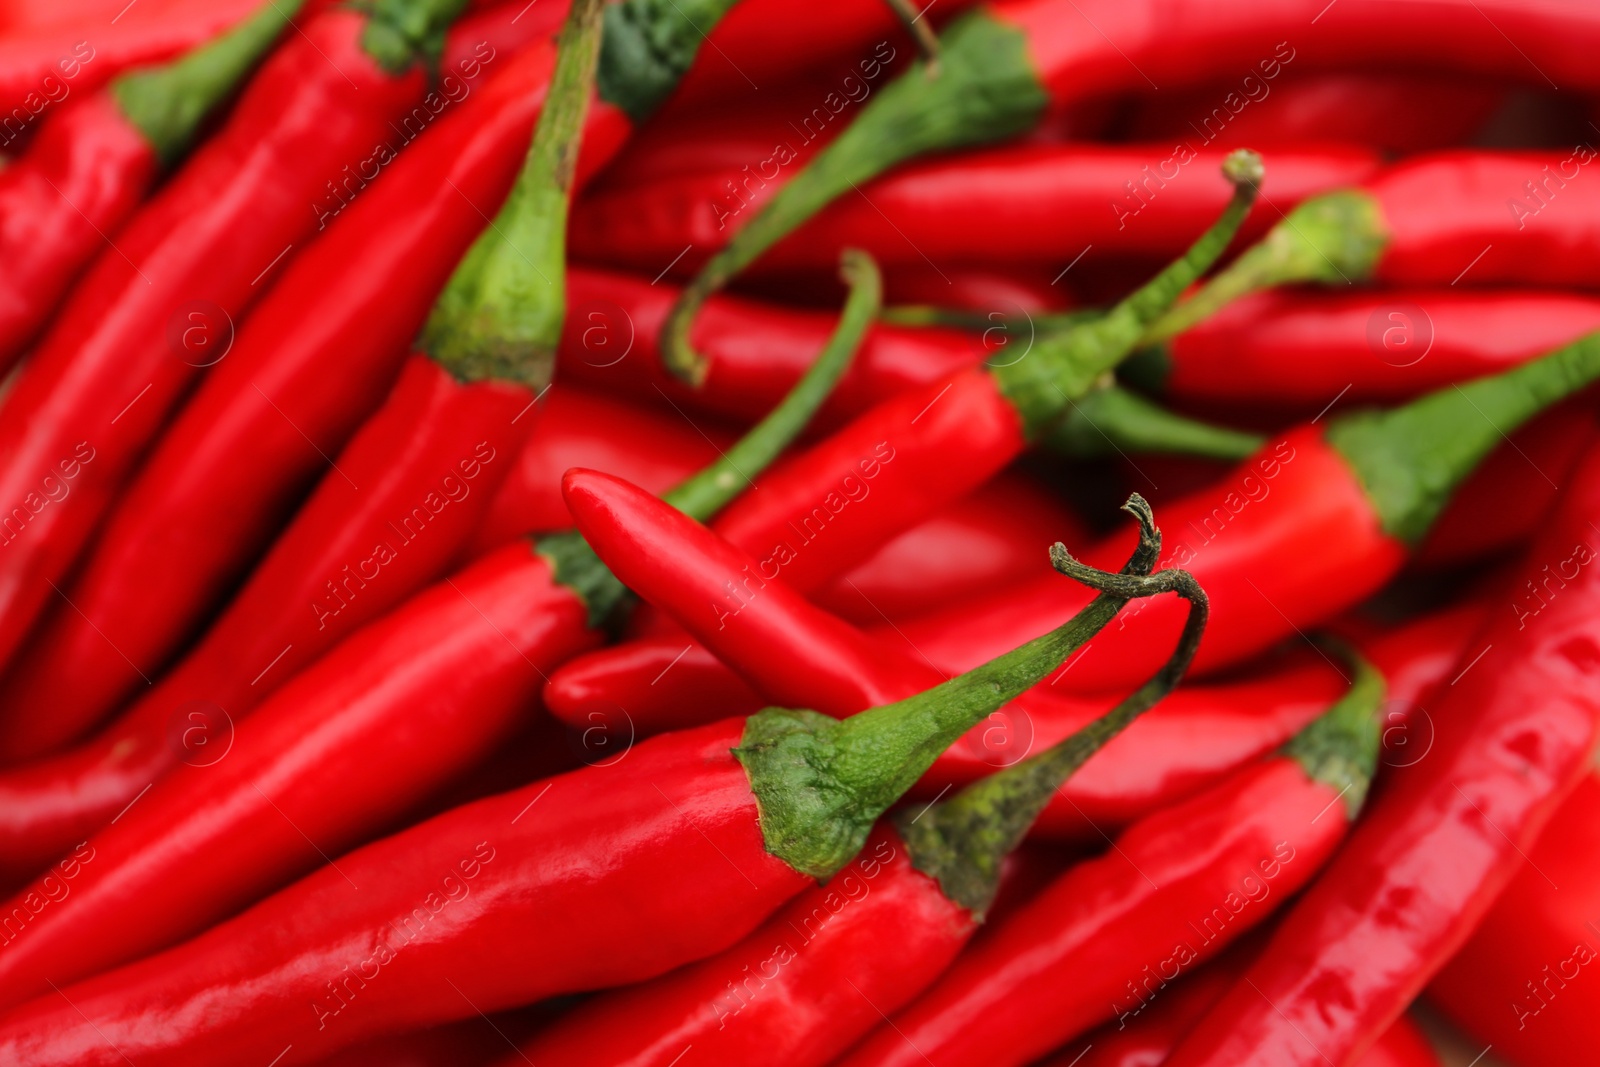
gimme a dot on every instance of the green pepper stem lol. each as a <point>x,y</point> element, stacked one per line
<point>922,34</point>
<point>822,782</point>
<point>963,841</point>
<point>1068,363</point>
<point>1340,747</point>
<point>167,103</point>
<point>1335,238</point>
<point>709,491</point>
<point>1411,459</point>
<point>1111,419</point>
<point>985,90</point>
<point>648,46</point>
<point>576,566</point>
<point>402,33</point>
<point>500,315</point>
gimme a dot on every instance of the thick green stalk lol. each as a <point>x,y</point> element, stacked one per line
<point>985,90</point>
<point>703,494</point>
<point>167,103</point>
<point>821,782</point>
<point>1110,419</point>
<point>1340,748</point>
<point>1411,459</point>
<point>963,841</point>
<point>709,491</point>
<point>1337,237</point>
<point>648,46</point>
<point>400,33</point>
<point>500,314</point>
<point>1068,363</point>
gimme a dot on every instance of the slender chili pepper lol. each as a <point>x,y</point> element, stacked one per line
<point>916,898</point>
<point>1518,981</point>
<point>1008,65</point>
<point>44,61</point>
<point>1396,112</point>
<point>1198,735</point>
<point>624,872</point>
<point>1303,349</point>
<point>92,164</point>
<point>1049,200</point>
<point>130,338</point>
<point>1426,222</point>
<point>1146,1041</point>
<point>305,373</point>
<point>406,703</point>
<point>1499,507</point>
<point>1110,934</point>
<point>1515,733</point>
<point>1348,496</point>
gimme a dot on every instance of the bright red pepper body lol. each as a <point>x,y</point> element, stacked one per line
<point>1519,982</point>
<point>1392,111</point>
<point>1447,834</point>
<point>351,743</point>
<point>1297,491</point>
<point>1049,200</point>
<point>1112,932</point>
<point>81,178</point>
<point>126,343</point>
<point>591,879</point>
<point>1304,349</point>
<point>757,350</point>
<point>305,371</point>
<point>794,992</point>
<point>45,59</point>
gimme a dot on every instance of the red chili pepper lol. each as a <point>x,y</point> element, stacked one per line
<point>914,899</point>
<point>1389,110</point>
<point>1007,66</point>
<point>1363,488</point>
<point>1147,1040</point>
<point>127,342</point>
<point>1435,220</point>
<point>1519,981</point>
<point>606,875</point>
<point>405,704</point>
<point>1108,936</point>
<point>1500,506</point>
<point>1515,732</point>
<point>44,59</point>
<point>306,371</point>
<point>93,163</point>
<point>1051,201</point>
<point>1304,349</point>
<point>1196,736</point>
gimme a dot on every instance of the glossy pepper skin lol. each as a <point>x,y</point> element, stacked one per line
<point>1364,487</point>
<point>674,839</point>
<point>102,380</point>
<point>1196,736</point>
<point>1180,885</point>
<point>1517,980</point>
<point>1398,112</point>
<point>1049,200</point>
<point>45,59</point>
<point>92,164</point>
<point>1300,349</point>
<point>300,379</point>
<point>777,996</point>
<point>1446,835</point>
<point>348,745</point>
<point>612,875</point>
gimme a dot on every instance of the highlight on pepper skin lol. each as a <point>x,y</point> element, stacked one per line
<point>1018,532</point>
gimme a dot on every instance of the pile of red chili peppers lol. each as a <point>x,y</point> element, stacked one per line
<point>601,532</point>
